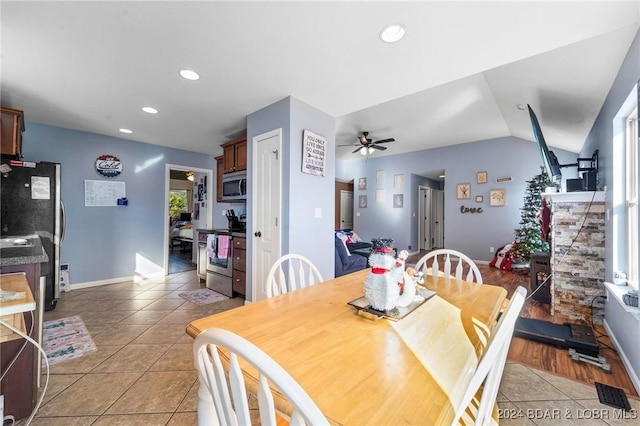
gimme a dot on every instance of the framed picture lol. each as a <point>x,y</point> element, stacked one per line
<point>380,195</point>
<point>481,177</point>
<point>362,201</point>
<point>463,191</point>
<point>479,198</point>
<point>362,183</point>
<point>380,177</point>
<point>398,201</point>
<point>497,197</point>
<point>398,181</point>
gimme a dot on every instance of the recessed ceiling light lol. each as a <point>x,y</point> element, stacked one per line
<point>126,131</point>
<point>189,74</point>
<point>393,33</point>
<point>150,110</point>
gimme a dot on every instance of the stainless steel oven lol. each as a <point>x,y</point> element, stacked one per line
<point>220,262</point>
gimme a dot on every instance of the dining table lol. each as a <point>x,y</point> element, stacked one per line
<point>363,369</point>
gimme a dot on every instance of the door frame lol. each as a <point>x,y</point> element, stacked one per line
<point>167,178</point>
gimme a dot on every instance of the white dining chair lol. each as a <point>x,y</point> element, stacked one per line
<point>222,397</point>
<point>477,405</point>
<point>444,257</point>
<point>300,273</point>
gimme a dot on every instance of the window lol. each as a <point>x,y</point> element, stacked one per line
<point>177,202</point>
<point>631,198</point>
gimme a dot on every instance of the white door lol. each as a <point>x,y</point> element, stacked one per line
<point>425,219</point>
<point>437,219</point>
<point>346,209</point>
<point>266,212</point>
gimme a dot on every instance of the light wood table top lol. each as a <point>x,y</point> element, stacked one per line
<point>360,371</point>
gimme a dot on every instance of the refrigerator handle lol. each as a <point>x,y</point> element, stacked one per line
<point>64,221</point>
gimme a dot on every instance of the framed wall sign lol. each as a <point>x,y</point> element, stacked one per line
<point>479,198</point>
<point>497,197</point>
<point>314,153</point>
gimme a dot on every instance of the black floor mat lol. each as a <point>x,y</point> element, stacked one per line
<point>614,397</point>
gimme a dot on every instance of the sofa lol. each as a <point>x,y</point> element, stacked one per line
<point>346,263</point>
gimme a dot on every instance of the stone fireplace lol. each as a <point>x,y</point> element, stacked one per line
<point>577,255</point>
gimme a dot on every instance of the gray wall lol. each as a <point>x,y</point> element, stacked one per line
<point>472,234</point>
<point>104,243</point>
<point>623,325</point>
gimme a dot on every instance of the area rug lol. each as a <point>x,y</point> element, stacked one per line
<point>203,296</point>
<point>66,338</point>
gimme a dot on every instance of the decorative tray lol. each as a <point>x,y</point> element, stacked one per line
<point>396,313</point>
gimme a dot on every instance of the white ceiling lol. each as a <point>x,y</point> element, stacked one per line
<point>456,77</point>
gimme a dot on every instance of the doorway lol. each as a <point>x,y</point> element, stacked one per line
<point>181,240</point>
<point>343,205</point>
<point>431,214</point>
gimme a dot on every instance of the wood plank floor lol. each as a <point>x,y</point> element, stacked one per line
<point>547,357</point>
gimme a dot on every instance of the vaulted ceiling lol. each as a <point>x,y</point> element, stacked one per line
<point>457,76</point>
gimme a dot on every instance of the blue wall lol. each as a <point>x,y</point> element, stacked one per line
<point>106,243</point>
<point>471,234</point>
<point>302,232</point>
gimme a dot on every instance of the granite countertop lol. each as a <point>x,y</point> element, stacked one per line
<point>16,252</point>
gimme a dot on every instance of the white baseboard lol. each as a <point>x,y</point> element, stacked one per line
<point>627,364</point>
<point>135,278</point>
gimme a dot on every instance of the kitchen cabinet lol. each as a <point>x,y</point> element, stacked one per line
<point>240,266</point>
<point>11,128</point>
<point>219,173</point>
<point>234,155</point>
<point>19,386</point>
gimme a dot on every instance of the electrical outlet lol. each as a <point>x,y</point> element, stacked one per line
<point>409,248</point>
<point>492,249</point>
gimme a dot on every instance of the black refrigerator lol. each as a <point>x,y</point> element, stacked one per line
<point>31,204</point>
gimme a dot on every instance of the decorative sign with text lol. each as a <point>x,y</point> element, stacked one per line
<point>314,153</point>
<point>108,166</point>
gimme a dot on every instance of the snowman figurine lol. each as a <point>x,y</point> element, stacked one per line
<point>381,287</point>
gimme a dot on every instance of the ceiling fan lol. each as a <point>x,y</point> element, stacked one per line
<point>368,146</point>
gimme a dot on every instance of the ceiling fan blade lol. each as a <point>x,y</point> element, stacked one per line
<point>385,140</point>
<point>381,148</point>
<point>356,150</point>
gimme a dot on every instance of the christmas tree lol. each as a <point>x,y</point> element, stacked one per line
<point>529,236</point>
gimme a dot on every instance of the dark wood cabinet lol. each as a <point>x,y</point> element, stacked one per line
<point>240,266</point>
<point>219,173</point>
<point>19,385</point>
<point>11,128</point>
<point>234,155</point>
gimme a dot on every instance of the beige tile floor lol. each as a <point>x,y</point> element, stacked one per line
<point>142,373</point>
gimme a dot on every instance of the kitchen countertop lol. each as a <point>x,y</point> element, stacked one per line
<point>21,254</point>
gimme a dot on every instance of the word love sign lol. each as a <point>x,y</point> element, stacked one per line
<point>464,209</point>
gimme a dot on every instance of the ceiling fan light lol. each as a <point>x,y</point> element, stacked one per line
<point>363,150</point>
<point>371,150</point>
<point>190,176</point>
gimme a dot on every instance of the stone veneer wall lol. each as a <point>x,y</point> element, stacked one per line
<point>578,276</point>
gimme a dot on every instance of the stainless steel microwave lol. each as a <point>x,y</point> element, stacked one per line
<point>234,186</point>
